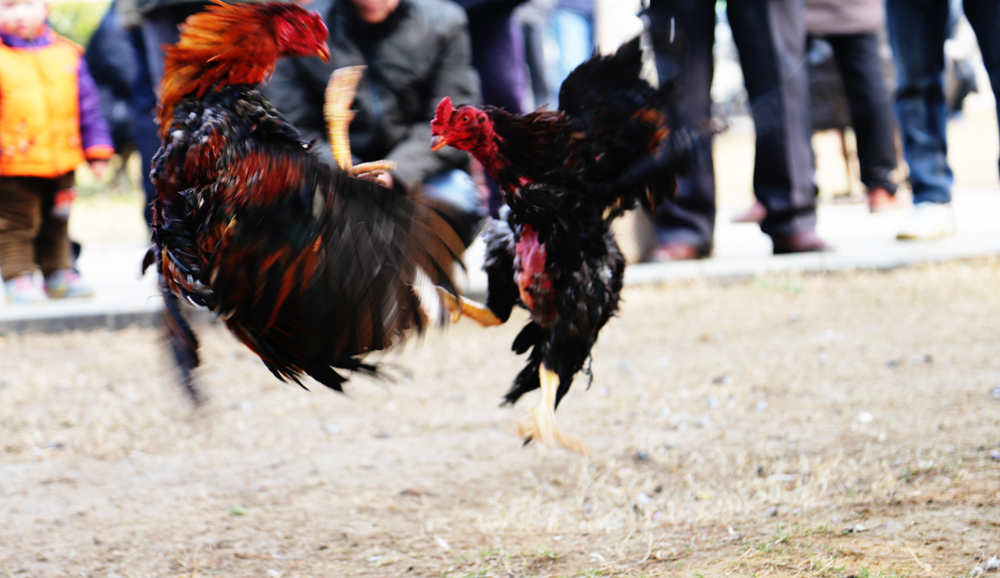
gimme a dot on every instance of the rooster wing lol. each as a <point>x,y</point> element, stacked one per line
<point>309,267</point>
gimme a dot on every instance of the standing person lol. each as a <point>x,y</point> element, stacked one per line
<point>151,24</point>
<point>498,52</point>
<point>572,26</point>
<point>851,27</point>
<point>533,17</point>
<point>417,52</point>
<point>498,56</point>
<point>112,61</point>
<point>50,122</point>
<point>917,33</point>
<point>770,36</point>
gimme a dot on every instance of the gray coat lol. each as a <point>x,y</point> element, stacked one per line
<point>824,17</point>
<point>419,55</point>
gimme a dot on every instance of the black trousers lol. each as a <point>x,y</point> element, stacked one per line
<point>770,36</point>
<point>868,101</point>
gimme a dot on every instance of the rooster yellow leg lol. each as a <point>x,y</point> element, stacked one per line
<point>459,306</point>
<point>541,422</point>
<point>338,115</point>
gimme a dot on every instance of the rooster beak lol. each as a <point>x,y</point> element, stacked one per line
<point>438,142</point>
<point>324,53</point>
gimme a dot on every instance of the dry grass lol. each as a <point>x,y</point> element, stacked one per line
<point>823,426</point>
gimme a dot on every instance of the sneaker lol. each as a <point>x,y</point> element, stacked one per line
<point>928,221</point>
<point>24,289</point>
<point>66,284</point>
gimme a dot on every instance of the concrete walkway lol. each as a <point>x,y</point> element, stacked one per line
<point>862,241</point>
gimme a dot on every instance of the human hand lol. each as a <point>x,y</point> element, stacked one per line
<point>98,167</point>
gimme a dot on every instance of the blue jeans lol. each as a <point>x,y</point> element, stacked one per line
<point>917,34</point>
<point>573,33</point>
<point>455,187</point>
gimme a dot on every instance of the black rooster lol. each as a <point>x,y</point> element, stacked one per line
<point>564,176</point>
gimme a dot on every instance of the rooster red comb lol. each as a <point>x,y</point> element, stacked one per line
<point>442,118</point>
<point>442,115</point>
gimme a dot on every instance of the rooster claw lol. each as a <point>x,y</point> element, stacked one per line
<point>541,421</point>
<point>540,426</point>
<point>460,306</point>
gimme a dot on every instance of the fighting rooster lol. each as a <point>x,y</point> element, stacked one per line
<point>564,176</point>
<point>309,266</point>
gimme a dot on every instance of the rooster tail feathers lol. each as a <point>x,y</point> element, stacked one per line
<point>330,378</point>
<point>437,249</point>
<point>183,344</point>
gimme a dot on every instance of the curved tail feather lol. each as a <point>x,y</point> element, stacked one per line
<point>183,344</point>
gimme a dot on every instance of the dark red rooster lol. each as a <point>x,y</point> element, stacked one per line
<point>310,267</point>
<point>564,176</point>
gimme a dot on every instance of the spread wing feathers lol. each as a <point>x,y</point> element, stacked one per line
<point>309,267</point>
<point>618,119</point>
<point>435,246</point>
<point>323,274</point>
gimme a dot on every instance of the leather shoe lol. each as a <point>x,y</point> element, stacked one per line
<point>675,251</point>
<point>880,200</point>
<point>755,214</point>
<point>804,241</point>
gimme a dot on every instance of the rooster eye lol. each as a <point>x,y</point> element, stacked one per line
<point>465,118</point>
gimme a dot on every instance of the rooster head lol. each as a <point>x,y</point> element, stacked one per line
<point>300,32</point>
<point>467,128</point>
<point>228,44</point>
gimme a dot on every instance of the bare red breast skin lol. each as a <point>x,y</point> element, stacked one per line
<point>533,281</point>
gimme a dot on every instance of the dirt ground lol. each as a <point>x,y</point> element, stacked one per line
<point>834,426</point>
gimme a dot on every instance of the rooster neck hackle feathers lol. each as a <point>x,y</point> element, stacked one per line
<point>529,145</point>
<point>231,44</point>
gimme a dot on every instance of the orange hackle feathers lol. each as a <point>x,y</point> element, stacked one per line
<point>231,44</point>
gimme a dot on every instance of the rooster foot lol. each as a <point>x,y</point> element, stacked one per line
<point>540,424</point>
<point>459,306</point>
<point>372,170</point>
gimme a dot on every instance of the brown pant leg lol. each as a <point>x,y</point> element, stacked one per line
<point>52,250</point>
<point>20,220</point>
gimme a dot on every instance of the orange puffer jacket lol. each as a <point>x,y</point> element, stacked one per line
<point>40,110</point>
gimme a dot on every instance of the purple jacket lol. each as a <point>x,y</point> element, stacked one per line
<point>93,128</point>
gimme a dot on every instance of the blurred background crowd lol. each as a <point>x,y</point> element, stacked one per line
<point>884,76</point>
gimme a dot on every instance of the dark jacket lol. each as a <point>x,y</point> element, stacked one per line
<point>826,17</point>
<point>473,4</point>
<point>114,65</point>
<point>419,55</point>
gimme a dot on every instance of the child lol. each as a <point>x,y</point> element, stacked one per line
<point>50,121</point>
